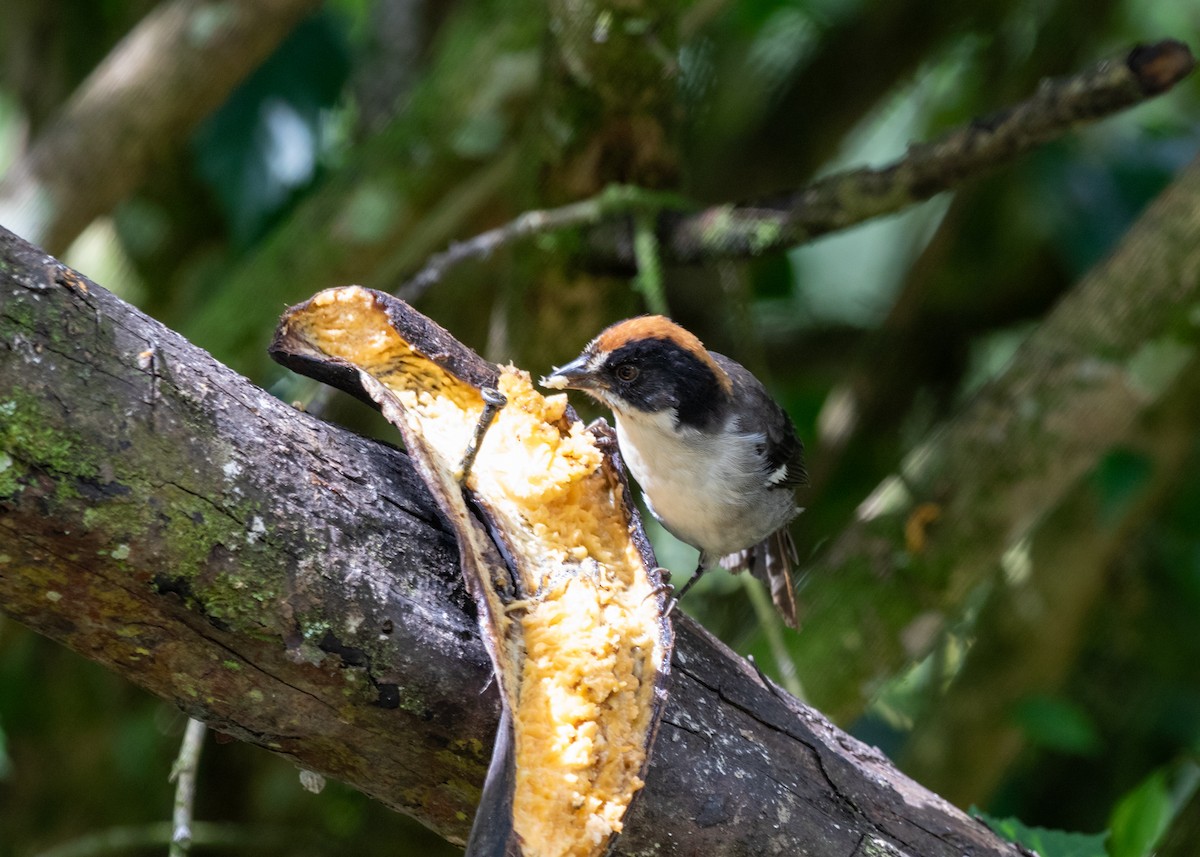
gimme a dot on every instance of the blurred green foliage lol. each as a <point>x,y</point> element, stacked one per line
<point>1056,724</point>
<point>772,92</point>
<point>1141,818</point>
<point>264,145</point>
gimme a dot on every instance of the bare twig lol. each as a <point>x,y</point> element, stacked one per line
<point>843,199</point>
<point>613,201</point>
<point>124,840</point>
<point>772,627</point>
<point>184,775</point>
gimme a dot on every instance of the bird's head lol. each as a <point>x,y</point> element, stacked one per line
<point>648,366</point>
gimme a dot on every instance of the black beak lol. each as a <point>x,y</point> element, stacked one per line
<point>576,375</point>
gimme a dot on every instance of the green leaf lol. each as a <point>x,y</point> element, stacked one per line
<point>1047,843</point>
<point>1141,817</point>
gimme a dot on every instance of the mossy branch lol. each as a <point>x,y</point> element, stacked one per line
<point>967,743</point>
<point>843,199</point>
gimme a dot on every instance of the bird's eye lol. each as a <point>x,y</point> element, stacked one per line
<point>627,371</point>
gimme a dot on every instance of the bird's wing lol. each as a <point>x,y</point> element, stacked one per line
<point>783,451</point>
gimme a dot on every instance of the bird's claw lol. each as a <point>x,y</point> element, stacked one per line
<point>663,588</point>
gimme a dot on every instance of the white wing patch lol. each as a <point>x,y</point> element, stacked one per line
<point>779,476</point>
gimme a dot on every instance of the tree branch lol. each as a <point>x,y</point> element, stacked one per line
<point>613,201</point>
<point>123,840</point>
<point>184,774</point>
<point>155,86</point>
<point>846,198</point>
<point>291,584</point>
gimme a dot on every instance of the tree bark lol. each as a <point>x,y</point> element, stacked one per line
<point>291,584</point>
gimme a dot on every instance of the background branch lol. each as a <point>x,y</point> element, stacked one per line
<point>167,518</point>
<point>184,774</point>
<point>849,197</point>
<point>1032,629</point>
<point>169,73</point>
<point>613,201</point>
<point>123,840</point>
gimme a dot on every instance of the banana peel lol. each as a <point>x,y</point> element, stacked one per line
<point>571,604</point>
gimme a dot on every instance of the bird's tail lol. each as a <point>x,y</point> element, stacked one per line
<point>771,561</point>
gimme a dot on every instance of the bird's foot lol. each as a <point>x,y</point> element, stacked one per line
<point>493,402</point>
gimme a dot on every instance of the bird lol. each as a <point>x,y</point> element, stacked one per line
<point>718,460</point>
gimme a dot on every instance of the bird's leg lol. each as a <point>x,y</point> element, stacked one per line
<point>493,401</point>
<point>700,569</point>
